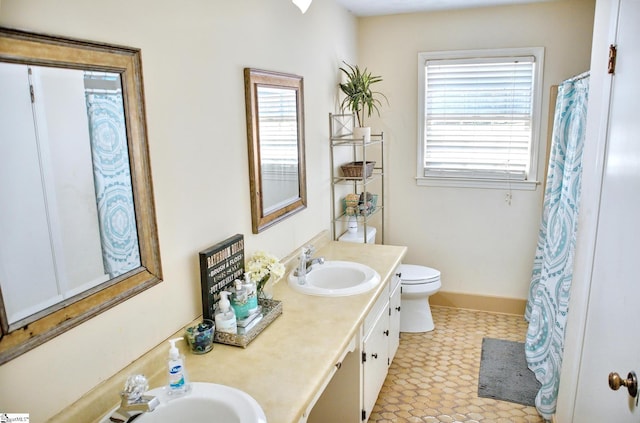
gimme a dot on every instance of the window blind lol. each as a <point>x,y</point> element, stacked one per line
<point>278,128</point>
<point>478,117</point>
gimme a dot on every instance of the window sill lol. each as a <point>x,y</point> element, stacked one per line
<point>477,183</point>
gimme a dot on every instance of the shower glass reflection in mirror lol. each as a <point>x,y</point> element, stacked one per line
<point>67,223</point>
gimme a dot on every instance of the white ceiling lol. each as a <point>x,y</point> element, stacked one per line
<point>390,7</point>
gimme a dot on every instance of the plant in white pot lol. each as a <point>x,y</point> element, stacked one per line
<point>360,97</point>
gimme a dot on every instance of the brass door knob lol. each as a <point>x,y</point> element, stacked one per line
<point>631,383</point>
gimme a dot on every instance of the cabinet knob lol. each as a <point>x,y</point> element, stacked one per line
<point>399,274</point>
<point>386,332</point>
<point>374,355</point>
<point>398,308</point>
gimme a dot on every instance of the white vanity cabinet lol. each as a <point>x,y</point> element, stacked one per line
<point>375,348</point>
<point>351,394</point>
<point>380,340</point>
<point>394,316</point>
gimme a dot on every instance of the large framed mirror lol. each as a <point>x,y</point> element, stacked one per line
<point>275,132</point>
<point>77,224</point>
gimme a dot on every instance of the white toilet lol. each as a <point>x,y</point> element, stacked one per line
<point>418,284</point>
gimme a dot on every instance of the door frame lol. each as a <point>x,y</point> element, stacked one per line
<point>594,157</point>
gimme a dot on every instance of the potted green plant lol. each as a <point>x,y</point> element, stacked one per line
<point>360,98</point>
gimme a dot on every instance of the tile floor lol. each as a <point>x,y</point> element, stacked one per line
<point>434,376</point>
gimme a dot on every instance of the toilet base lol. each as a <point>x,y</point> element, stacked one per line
<point>416,315</point>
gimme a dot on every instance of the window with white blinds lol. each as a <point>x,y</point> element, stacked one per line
<point>479,114</point>
<point>278,121</point>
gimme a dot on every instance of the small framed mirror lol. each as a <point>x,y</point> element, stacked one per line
<point>275,133</point>
<point>77,225</point>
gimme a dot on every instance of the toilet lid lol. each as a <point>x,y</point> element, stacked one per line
<point>414,274</point>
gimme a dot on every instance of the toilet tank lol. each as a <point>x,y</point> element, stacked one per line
<point>358,236</point>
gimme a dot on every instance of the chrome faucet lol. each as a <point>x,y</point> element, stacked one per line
<point>133,402</point>
<point>305,264</point>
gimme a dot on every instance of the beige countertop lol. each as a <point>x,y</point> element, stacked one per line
<point>286,365</point>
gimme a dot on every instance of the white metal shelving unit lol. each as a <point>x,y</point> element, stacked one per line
<point>341,130</point>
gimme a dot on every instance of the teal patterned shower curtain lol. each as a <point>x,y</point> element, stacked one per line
<point>548,302</point>
<point>112,176</point>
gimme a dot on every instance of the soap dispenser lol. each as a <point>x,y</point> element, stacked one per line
<point>239,301</point>
<point>178,384</point>
<point>252,293</point>
<point>225,317</point>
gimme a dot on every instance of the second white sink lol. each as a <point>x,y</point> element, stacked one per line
<point>207,402</point>
<point>336,279</point>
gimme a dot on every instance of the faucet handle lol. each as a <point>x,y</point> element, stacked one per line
<point>134,388</point>
<point>309,250</point>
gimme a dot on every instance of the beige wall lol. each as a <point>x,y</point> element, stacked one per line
<point>193,56</point>
<point>481,244</point>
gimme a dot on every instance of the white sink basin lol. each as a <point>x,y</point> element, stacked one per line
<point>336,279</point>
<point>206,402</point>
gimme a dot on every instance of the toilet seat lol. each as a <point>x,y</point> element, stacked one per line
<point>411,274</point>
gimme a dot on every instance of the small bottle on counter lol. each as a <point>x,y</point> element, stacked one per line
<point>252,293</point>
<point>239,301</point>
<point>178,384</point>
<point>225,317</point>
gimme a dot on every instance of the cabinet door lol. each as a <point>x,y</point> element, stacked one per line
<point>374,367</point>
<point>394,322</point>
<point>339,402</point>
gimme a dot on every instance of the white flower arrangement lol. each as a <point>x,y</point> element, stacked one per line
<point>261,266</point>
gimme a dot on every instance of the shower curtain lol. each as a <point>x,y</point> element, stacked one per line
<point>112,177</point>
<point>548,302</point>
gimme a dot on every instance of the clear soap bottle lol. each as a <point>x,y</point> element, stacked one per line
<point>252,293</point>
<point>239,301</point>
<point>178,382</point>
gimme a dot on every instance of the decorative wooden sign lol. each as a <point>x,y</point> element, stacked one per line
<point>220,265</point>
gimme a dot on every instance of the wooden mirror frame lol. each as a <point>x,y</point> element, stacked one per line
<point>253,78</point>
<point>44,50</point>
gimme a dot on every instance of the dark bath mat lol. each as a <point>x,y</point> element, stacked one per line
<point>504,374</point>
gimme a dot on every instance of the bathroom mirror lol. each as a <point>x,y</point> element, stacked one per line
<point>77,225</point>
<point>275,132</point>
